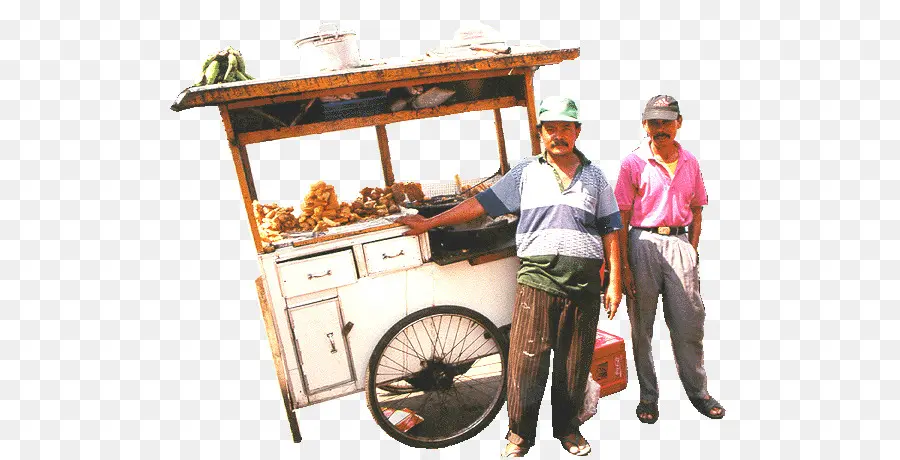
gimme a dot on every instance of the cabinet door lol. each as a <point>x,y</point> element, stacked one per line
<point>324,361</point>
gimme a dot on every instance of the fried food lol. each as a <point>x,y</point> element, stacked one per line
<point>273,220</point>
<point>322,210</point>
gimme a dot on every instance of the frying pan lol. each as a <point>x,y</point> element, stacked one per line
<point>435,205</point>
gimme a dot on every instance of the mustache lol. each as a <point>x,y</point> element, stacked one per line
<point>660,136</point>
<point>558,143</point>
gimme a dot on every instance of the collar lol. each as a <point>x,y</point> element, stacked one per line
<point>581,158</point>
<point>646,152</point>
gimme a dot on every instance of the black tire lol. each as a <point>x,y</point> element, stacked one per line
<point>454,385</point>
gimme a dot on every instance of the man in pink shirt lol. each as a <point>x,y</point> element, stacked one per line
<point>661,195</point>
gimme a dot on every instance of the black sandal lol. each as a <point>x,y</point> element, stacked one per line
<point>651,409</point>
<point>704,406</point>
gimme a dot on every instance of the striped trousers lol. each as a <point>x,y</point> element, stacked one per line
<point>542,321</point>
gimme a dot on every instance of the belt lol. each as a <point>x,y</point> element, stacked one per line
<point>664,230</point>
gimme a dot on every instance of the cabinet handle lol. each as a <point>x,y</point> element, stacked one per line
<point>330,336</point>
<point>310,276</point>
<point>385,256</point>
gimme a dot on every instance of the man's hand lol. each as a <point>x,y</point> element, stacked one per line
<point>611,300</point>
<point>416,223</point>
<point>628,282</point>
<point>463,212</point>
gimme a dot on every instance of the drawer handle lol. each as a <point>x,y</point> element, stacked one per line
<point>330,336</point>
<point>385,256</point>
<point>310,276</point>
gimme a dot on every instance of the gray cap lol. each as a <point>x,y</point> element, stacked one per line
<point>661,107</point>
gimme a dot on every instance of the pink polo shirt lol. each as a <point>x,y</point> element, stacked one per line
<point>654,198</point>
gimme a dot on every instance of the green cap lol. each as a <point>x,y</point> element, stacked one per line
<point>558,109</point>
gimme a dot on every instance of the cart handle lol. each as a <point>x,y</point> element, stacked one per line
<point>310,276</point>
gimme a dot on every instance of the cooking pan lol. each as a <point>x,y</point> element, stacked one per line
<point>471,237</point>
<point>435,205</point>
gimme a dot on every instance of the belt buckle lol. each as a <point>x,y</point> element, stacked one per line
<point>663,230</point>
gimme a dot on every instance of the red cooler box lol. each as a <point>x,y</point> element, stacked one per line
<point>608,367</point>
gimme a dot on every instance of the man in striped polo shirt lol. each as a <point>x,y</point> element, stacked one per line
<point>567,225</point>
<point>661,194</point>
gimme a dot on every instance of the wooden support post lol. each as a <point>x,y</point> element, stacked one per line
<point>386,167</point>
<point>245,177</point>
<point>501,142</point>
<point>532,112</point>
<point>269,322</point>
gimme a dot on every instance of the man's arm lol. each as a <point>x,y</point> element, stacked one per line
<point>695,227</point>
<point>614,291</point>
<point>463,212</point>
<point>627,279</point>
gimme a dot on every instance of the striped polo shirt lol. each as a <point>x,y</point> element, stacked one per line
<point>559,233</point>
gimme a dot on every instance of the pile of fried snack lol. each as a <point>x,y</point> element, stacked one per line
<point>322,210</point>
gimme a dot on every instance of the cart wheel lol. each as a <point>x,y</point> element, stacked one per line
<point>437,377</point>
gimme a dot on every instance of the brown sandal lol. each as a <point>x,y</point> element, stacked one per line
<point>515,451</point>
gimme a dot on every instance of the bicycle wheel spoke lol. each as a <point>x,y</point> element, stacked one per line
<point>456,335</point>
<point>405,352</point>
<point>440,327</point>
<point>433,339</point>
<point>473,327</point>
<point>409,341</point>
<point>474,387</point>
<point>457,343</point>
<point>463,399</point>
<point>477,349</point>
<point>395,361</point>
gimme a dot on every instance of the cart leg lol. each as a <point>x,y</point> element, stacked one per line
<point>532,115</point>
<point>501,142</point>
<point>386,167</point>
<point>277,358</point>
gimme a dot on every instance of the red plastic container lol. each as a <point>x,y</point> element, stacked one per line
<point>609,367</point>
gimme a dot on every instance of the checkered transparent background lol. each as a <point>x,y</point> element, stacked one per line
<point>129,325</point>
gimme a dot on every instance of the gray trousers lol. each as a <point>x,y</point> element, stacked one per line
<point>666,265</point>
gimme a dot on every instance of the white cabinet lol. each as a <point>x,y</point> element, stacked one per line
<point>324,359</point>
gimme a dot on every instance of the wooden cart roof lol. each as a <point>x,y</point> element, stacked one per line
<point>393,70</point>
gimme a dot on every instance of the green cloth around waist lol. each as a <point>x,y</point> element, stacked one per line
<point>577,278</point>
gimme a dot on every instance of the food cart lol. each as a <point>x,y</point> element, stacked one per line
<point>410,320</point>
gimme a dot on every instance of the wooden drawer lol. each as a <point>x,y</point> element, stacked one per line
<point>317,273</point>
<point>324,361</point>
<point>392,254</point>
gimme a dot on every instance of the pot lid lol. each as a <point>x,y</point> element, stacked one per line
<point>327,32</point>
<point>323,38</point>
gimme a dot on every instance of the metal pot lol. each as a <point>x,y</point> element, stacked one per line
<point>329,49</point>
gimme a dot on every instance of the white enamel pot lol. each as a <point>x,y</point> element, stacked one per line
<point>328,50</point>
